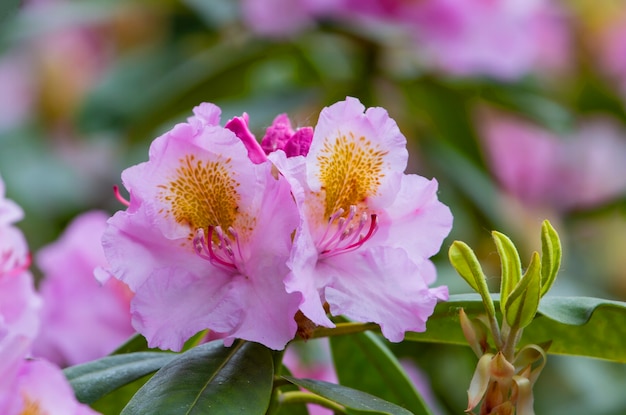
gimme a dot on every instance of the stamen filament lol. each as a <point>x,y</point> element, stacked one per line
<point>347,236</point>
<point>119,197</point>
<point>342,224</point>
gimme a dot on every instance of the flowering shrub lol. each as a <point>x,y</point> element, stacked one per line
<point>282,249</point>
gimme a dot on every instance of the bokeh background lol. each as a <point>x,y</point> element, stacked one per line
<point>517,107</point>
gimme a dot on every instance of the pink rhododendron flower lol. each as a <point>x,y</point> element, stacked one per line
<point>103,323</point>
<point>367,228</point>
<point>205,239</point>
<point>540,168</point>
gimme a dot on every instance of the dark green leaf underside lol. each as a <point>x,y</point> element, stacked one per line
<point>93,380</point>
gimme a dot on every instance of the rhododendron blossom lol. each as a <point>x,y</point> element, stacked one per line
<point>205,239</point>
<point>367,228</point>
<point>69,284</point>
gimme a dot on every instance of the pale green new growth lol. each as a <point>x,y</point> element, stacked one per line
<point>503,379</point>
<point>466,264</point>
<point>510,264</point>
<point>550,256</point>
<point>522,304</point>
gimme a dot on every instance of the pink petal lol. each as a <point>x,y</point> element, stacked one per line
<point>174,304</point>
<point>416,221</point>
<point>380,285</point>
<point>369,129</point>
<point>239,126</point>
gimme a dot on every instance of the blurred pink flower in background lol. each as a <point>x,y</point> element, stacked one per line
<point>82,319</point>
<point>204,241</point>
<point>367,229</point>
<point>501,38</point>
<point>578,171</point>
<point>27,386</point>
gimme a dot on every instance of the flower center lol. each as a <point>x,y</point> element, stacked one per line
<point>203,194</point>
<point>345,234</point>
<point>220,249</point>
<point>350,170</point>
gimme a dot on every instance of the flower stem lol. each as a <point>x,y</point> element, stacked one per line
<point>341,329</point>
<point>306,397</point>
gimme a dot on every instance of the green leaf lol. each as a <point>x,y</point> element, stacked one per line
<point>521,306</point>
<point>510,263</point>
<point>466,264</point>
<point>348,397</point>
<point>93,380</point>
<point>211,379</point>
<point>579,326</point>
<point>550,256</point>
<point>364,362</point>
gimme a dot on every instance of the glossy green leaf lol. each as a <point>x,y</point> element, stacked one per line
<point>93,380</point>
<point>364,362</point>
<point>580,326</point>
<point>521,306</point>
<point>510,263</point>
<point>464,260</point>
<point>550,256</point>
<point>348,397</point>
<point>211,379</point>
